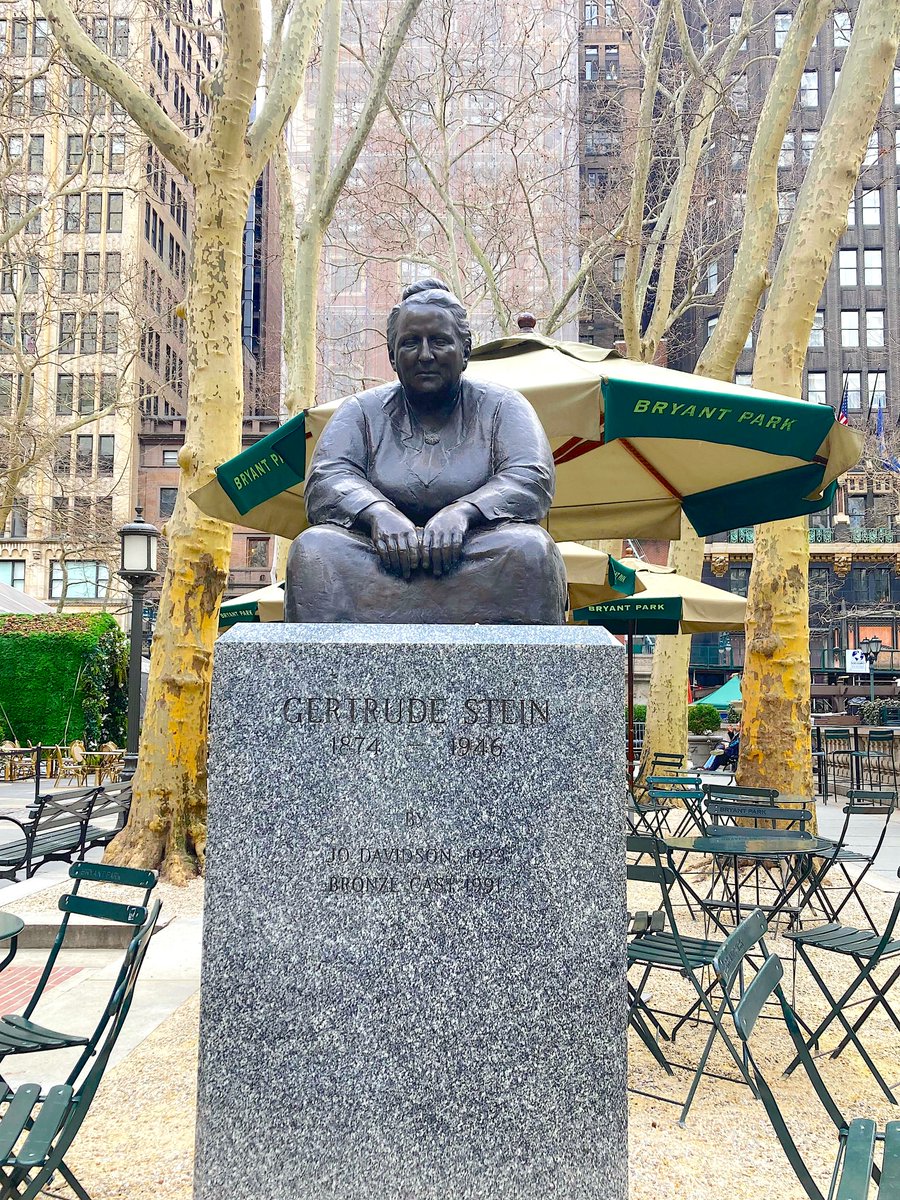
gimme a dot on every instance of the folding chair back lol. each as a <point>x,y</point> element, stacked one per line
<point>734,791</point>
<point>52,1124</point>
<point>724,815</point>
<point>666,764</point>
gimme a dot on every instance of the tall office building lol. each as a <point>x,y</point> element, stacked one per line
<point>93,355</point>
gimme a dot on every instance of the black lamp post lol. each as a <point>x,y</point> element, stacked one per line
<point>871,648</point>
<point>139,546</point>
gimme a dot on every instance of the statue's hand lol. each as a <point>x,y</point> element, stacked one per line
<point>443,536</point>
<point>395,538</point>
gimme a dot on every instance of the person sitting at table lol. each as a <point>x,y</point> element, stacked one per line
<point>726,753</point>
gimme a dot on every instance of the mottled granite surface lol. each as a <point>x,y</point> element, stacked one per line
<point>413,965</point>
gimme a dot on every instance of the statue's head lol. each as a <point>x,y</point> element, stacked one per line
<point>428,313</point>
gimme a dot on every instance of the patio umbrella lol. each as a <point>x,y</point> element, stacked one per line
<point>634,445</point>
<point>265,604</point>
<point>669,603</point>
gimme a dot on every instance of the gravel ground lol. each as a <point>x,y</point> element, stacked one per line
<point>728,1147</point>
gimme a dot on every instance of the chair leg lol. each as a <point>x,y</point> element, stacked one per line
<point>73,1182</point>
<point>880,997</point>
<point>837,1013</point>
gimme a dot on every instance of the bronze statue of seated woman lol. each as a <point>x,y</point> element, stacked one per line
<point>424,496</point>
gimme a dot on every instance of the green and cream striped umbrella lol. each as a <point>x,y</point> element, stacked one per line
<point>635,445</point>
<point>667,603</point>
<point>265,604</point>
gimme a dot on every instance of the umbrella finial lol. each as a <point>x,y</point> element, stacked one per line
<point>526,321</point>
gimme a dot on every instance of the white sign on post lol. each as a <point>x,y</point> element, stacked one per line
<point>857,663</point>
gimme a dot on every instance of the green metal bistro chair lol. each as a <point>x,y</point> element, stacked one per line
<point>873,810</point>
<point>841,754</point>
<point>36,1130</point>
<point>767,879</point>
<point>855,1168</point>
<point>19,1034</point>
<point>867,950</point>
<point>880,757</point>
<point>657,944</point>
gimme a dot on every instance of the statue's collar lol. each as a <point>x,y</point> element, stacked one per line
<point>459,422</point>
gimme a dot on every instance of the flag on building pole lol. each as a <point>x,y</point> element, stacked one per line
<point>842,411</point>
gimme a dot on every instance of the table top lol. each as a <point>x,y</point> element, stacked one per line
<point>10,925</point>
<point>752,843</point>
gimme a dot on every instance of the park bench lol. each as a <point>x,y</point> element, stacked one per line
<point>61,827</point>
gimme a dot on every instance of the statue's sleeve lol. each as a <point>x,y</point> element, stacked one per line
<point>337,489</point>
<point>524,479</point>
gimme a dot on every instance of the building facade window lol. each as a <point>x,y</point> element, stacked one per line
<point>782,27</point>
<point>87,394</point>
<point>809,89</point>
<point>67,333</point>
<point>167,498</point>
<point>89,333</point>
<point>170,458</point>
<point>871,207</point>
<point>65,394</point>
<point>115,203</point>
<point>74,152</point>
<point>842,30</point>
<point>110,332</point>
<point>106,454</point>
<point>79,580</point>
<point>258,552</point>
<point>817,333</point>
<point>91,279</point>
<point>738,580</point>
<point>872,268</point>
<point>876,390</point>
<point>72,213</point>
<point>849,328</point>
<point>875,328</point>
<point>816,391</point>
<point>94,213</point>
<point>18,519</point>
<point>591,64</point>
<point>36,153</point>
<point>12,572</point>
<point>852,390</point>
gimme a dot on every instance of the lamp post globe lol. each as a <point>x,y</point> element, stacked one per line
<point>140,545</point>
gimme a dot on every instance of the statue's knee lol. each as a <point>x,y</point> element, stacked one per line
<point>316,543</point>
<point>533,547</point>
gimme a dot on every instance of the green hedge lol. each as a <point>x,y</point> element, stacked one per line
<point>703,718</point>
<point>63,677</point>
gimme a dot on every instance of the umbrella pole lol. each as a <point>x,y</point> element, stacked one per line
<point>630,652</point>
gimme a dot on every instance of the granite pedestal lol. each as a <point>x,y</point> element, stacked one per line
<point>414,959</point>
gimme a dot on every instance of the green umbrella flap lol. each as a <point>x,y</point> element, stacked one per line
<point>267,468</point>
<point>729,416</point>
<point>264,604</point>
<point>646,614</point>
<point>621,578</point>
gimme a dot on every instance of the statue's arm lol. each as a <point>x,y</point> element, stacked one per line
<point>524,479</point>
<point>337,489</point>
